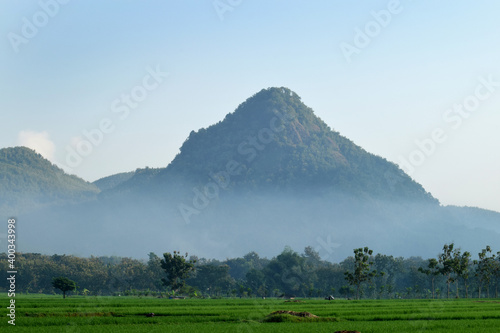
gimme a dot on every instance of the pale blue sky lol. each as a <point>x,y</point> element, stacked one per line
<point>86,54</point>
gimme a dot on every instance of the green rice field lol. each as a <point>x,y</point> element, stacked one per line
<point>41,313</point>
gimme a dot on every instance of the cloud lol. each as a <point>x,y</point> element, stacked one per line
<point>38,141</point>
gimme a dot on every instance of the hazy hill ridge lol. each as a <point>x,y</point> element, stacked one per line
<point>27,181</point>
<point>109,182</point>
<point>269,174</point>
<point>272,141</point>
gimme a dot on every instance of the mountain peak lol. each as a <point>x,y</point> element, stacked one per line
<point>22,155</point>
<point>272,96</point>
<point>258,110</point>
<point>272,141</point>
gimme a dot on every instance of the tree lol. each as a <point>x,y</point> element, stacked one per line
<point>447,265</point>
<point>286,273</point>
<point>390,267</point>
<point>329,277</point>
<point>461,268</point>
<point>496,272</point>
<point>362,269</point>
<point>346,291</point>
<point>129,274</point>
<point>212,278</point>
<point>256,279</point>
<point>177,269</point>
<point>432,270</point>
<point>155,272</point>
<point>312,256</point>
<point>64,284</point>
<point>485,267</point>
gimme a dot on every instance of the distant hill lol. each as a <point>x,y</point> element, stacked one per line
<point>109,182</point>
<point>29,181</point>
<point>474,217</point>
<point>276,143</point>
<point>269,174</point>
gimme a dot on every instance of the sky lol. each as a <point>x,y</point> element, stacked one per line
<point>101,87</point>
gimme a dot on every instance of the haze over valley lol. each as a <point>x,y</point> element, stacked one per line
<point>270,174</point>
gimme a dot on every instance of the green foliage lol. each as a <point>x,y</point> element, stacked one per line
<point>64,284</point>
<point>177,269</point>
<point>487,267</point>
<point>239,267</point>
<point>432,270</point>
<point>212,279</point>
<point>99,275</point>
<point>461,267</point>
<point>29,181</point>
<point>288,274</point>
<point>448,263</point>
<point>362,269</point>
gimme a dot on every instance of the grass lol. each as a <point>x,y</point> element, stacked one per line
<point>128,314</point>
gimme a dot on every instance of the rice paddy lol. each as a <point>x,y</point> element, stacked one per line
<point>42,313</point>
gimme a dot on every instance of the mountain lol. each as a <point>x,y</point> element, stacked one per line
<point>109,182</point>
<point>468,216</point>
<point>274,142</point>
<point>29,181</point>
<point>269,174</point>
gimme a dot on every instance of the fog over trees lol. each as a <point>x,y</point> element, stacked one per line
<point>289,274</point>
<point>269,174</point>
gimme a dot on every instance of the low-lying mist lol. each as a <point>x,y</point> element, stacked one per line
<point>235,223</point>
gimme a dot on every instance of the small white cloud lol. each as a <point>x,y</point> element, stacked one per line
<point>38,141</point>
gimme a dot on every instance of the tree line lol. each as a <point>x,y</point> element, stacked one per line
<point>364,275</point>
